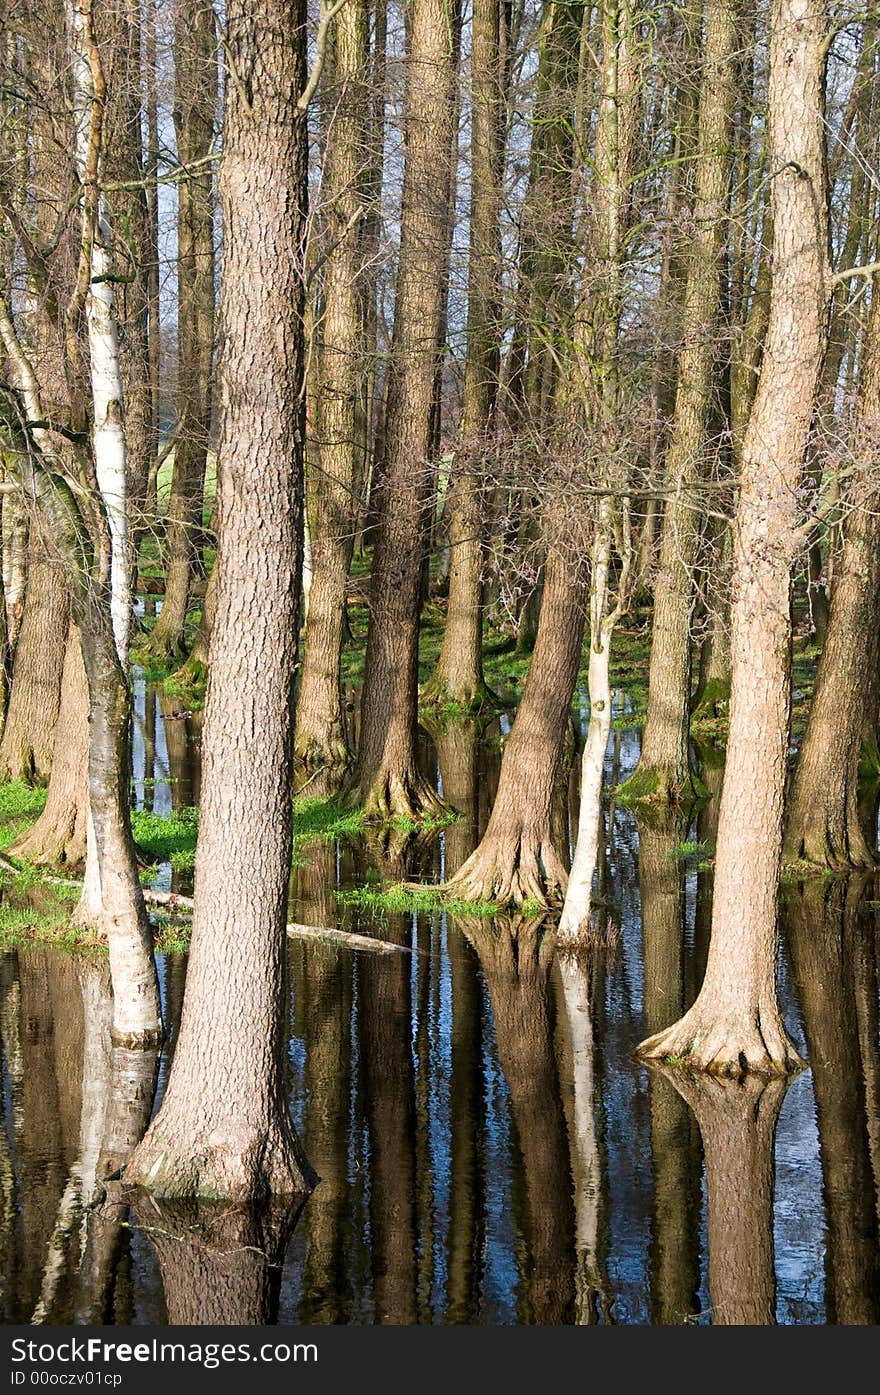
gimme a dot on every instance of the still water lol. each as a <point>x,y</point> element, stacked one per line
<point>488,1148</point>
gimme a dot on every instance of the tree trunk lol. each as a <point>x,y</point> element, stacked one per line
<point>224,1130</point>
<point>195,100</point>
<point>663,771</point>
<point>386,780</point>
<point>735,1023</point>
<point>822,823</point>
<point>458,677</point>
<point>58,838</point>
<point>516,860</point>
<point>35,696</point>
<point>334,481</point>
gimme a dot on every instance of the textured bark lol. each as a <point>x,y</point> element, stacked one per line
<point>118,32</point>
<point>58,838</point>
<point>336,459</point>
<point>195,101</point>
<point>737,1122</point>
<point>516,860</point>
<point>663,771</point>
<point>35,696</point>
<point>458,677</point>
<point>735,1023</point>
<point>823,819</point>
<point>824,931</point>
<point>224,1130</point>
<point>386,780</point>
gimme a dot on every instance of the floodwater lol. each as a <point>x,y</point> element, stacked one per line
<point>488,1148</point>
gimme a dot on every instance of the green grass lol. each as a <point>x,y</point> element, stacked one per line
<point>167,837</point>
<point>400,898</point>
<point>20,806</point>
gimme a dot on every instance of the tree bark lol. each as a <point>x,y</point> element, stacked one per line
<point>516,860</point>
<point>224,1130</point>
<point>735,1023</point>
<point>195,101</point>
<point>58,838</point>
<point>35,696</point>
<point>823,819</point>
<point>335,473</point>
<point>458,677</point>
<point>386,780</point>
<point>663,771</point>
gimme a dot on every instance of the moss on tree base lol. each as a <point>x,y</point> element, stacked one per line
<point>653,785</point>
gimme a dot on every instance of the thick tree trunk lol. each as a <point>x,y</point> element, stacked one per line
<point>735,1023</point>
<point>663,771</point>
<point>28,736</point>
<point>822,822</point>
<point>58,838</point>
<point>335,475</point>
<point>516,860</point>
<point>195,100</point>
<point>386,780</point>
<point>224,1129</point>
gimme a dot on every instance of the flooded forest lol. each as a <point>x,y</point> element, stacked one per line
<point>439,664</point>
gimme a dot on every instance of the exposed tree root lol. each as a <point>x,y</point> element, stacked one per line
<point>395,796</point>
<point>717,1042</point>
<point>818,846</point>
<point>59,841</point>
<point>512,870</point>
<point>225,1162</point>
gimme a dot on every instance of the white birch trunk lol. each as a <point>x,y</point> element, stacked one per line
<point>108,432</point>
<point>104,365</point>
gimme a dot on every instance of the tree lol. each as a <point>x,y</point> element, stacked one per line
<point>735,1022</point>
<point>458,677</point>
<point>823,822</point>
<point>335,465</point>
<point>663,771</point>
<point>224,1130</point>
<point>385,779</point>
<point>195,102</point>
